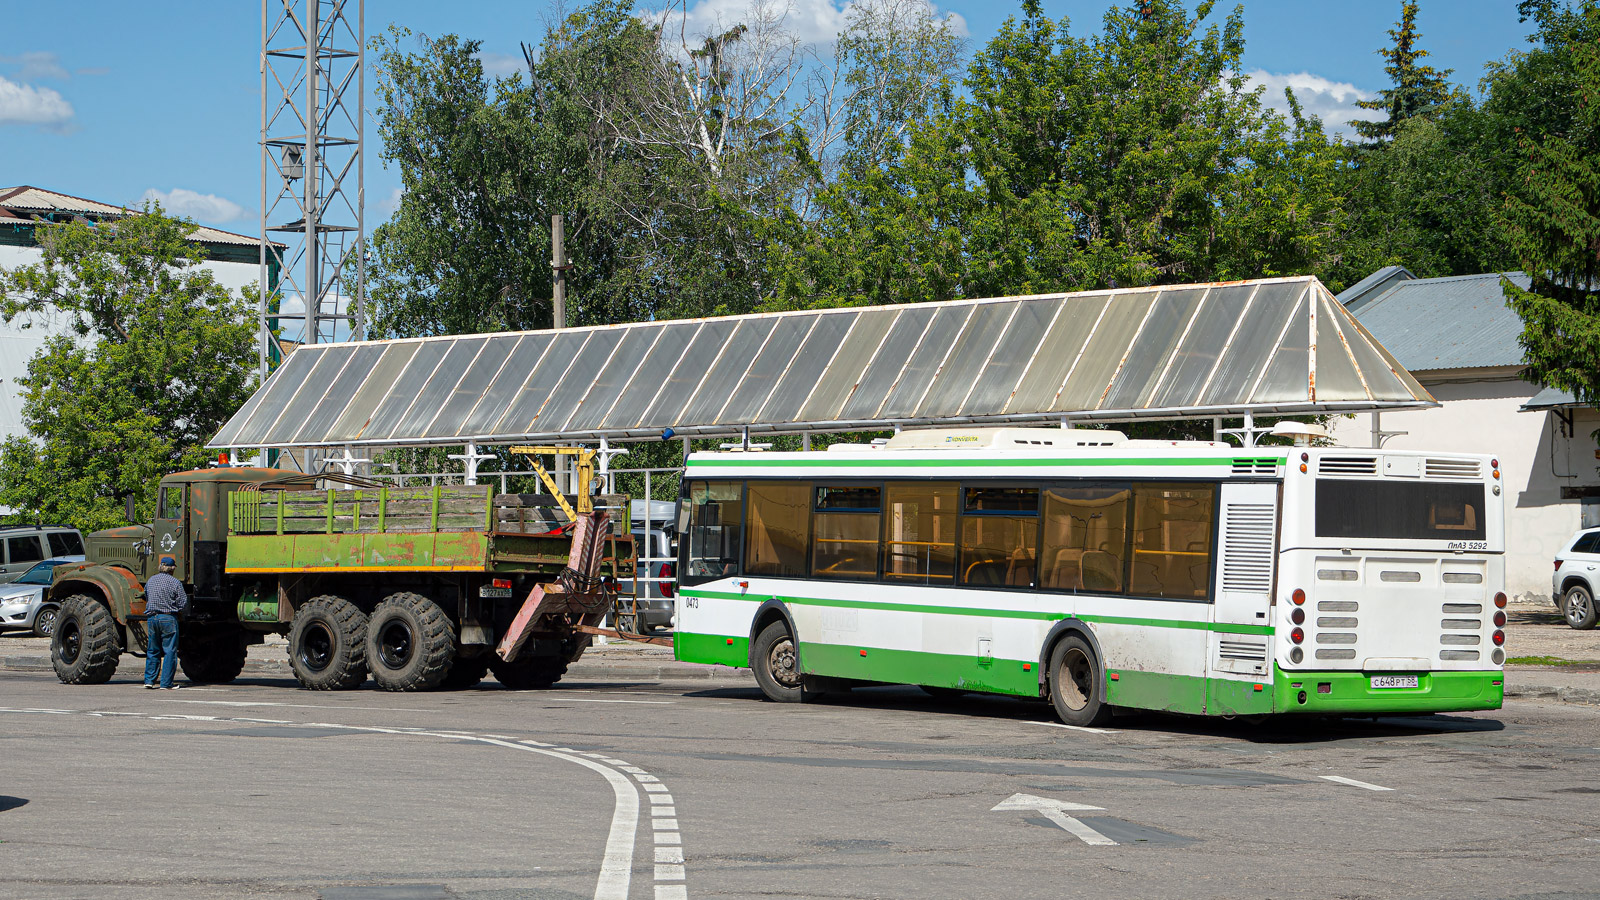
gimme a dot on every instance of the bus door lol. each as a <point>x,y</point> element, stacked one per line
<point>1246,573</point>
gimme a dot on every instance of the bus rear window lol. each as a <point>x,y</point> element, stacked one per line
<point>1400,510</point>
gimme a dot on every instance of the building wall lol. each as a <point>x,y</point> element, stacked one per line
<point>1538,457</point>
<point>18,345</point>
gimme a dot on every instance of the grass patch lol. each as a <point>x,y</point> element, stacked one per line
<point>1549,661</point>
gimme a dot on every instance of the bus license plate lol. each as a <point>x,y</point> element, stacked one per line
<point>494,593</point>
<point>1394,681</point>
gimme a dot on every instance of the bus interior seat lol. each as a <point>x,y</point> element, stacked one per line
<point>1101,571</point>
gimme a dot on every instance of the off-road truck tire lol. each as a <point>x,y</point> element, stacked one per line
<point>410,643</point>
<point>328,644</point>
<point>465,672</point>
<point>85,647</point>
<point>211,656</point>
<point>528,673</point>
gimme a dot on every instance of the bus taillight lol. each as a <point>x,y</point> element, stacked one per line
<point>1299,635</point>
<point>1297,616</point>
<point>1499,618</point>
<point>1500,600</point>
<point>1499,638</point>
<point>1298,597</point>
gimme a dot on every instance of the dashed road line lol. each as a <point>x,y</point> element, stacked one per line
<point>616,869</point>
<point>1354,783</point>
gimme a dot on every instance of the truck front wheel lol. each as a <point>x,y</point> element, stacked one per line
<point>211,656</point>
<point>328,644</point>
<point>410,644</point>
<point>85,646</point>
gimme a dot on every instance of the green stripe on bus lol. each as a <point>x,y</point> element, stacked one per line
<point>881,463</point>
<point>968,673</point>
<point>1041,615</point>
<point>712,649</point>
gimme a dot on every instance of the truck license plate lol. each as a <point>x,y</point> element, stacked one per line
<point>494,593</point>
<point>1394,681</point>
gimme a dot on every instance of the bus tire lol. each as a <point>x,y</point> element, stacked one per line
<point>410,644</point>
<point>85,647</point>
<point>1077,684</point>
<point>1577,607</point>
<point>328,645</point>
<point>777,666</point>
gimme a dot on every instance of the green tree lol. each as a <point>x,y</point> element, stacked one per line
<point>158,356</point>
<point>1133,156</point>
<point>1414,89</point>
<point>1553,220</point>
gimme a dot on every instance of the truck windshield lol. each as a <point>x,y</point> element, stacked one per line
<point>1400,510</point>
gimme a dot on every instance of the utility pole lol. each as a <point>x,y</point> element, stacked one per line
<point>558,268</point>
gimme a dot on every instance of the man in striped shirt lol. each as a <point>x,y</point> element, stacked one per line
<point>164,599</point>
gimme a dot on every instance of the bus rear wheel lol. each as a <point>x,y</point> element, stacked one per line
<point>1077,684</point>
<point>776,660</point>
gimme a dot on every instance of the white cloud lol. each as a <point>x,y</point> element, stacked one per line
<point>501,65</point>
<point>29,105</point>
<point>208,209</point>
<point>38,65</point>
<point>811,21</point>
<point>1332,101</point>
<point>389,204</point>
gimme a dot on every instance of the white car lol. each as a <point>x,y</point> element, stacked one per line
<point>22,602</point>
<point>1577,574</point>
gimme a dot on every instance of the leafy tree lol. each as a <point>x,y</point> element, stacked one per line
<point>1415,89</point>
<point>1553,219</point>
<point>1133,156</point>
<point>158,357</point>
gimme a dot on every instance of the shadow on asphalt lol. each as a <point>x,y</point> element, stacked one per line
<point>11,802</point>
<point>1288,729</point>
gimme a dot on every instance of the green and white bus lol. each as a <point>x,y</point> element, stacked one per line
<point>1101,572</point>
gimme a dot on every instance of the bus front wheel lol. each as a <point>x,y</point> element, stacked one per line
<point>1077,685</point>
<point>777,666</point>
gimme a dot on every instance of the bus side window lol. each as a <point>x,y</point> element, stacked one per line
<point>919,537</point>
<point>779,528</point>
<point>716,520</point>
<point>1172,526</point>
<point>1085,538</point>
<point>845,538</point>
<point>999,536</point>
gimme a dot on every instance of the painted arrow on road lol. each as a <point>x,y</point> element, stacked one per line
<point>1056,811</point>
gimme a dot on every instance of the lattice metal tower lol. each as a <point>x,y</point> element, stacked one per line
<point>313,89</point>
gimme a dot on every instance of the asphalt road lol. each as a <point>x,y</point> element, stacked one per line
<point>642,790</point>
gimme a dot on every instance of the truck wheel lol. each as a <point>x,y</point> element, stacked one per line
<point>328,645</point>
<point>1077,685</point>
<point>465,673</point>
<point>410,643</point>
<point>777,666</point>
<point>85,647</point>
<point>209,656</point>
<point>1577,605</point>
<point>528,673</point>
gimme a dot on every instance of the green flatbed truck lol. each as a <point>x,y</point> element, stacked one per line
<point>421,588</point>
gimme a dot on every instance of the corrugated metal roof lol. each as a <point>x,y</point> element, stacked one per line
<point>28,199</point>
<point>1276,345</point>
<point>1461,322</point>
<point>1373,286</point>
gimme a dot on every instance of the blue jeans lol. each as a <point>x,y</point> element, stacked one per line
<point>161,648</point>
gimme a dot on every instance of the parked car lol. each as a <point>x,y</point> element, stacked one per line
<point>23,546</point>
<point>22,602</point>
<point>1577,574</point>
<point>654,567</point>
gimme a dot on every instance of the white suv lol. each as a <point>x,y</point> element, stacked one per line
<point>1577,573</point>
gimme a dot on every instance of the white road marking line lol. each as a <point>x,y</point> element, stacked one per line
<point>1077,727</point>
<point>631,770</point>
<point>654,787</point>
<point>598,700</point>
<point>672,855</point>
<point>1354,783</point>
<point>669,837</point>
<point>668,811</point>
<point>661,798</point>
<point>616,869</point>
<point>665,824</point>
<point>293,705</point>
<point>672,892</point>
<point>646,779</point>
<point>1085,833</point>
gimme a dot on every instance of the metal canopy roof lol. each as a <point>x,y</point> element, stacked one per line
<point>1271,346</point>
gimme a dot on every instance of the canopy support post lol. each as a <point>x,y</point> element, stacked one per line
<point>471,457</point>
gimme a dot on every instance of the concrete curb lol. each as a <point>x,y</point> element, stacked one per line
<point>582,669</point>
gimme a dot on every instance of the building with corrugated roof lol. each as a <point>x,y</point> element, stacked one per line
<point>233,259</point>
<point>1459,339</point>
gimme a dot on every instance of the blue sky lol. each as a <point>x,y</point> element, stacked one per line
<point>118,101</point>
